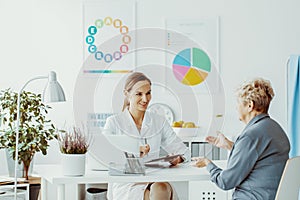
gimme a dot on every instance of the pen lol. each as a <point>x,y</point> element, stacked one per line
<point>145,148</point>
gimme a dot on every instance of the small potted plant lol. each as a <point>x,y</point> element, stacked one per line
<point>35,130</point>
<point>73,145</point>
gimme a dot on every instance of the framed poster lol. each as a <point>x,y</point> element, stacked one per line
<point>108,55</point>
<point>193,54</point>
<point>108,38</point>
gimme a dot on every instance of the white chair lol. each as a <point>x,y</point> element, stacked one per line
<point>289,186</point>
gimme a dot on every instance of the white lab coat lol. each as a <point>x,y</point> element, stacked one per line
<point>158,132</point>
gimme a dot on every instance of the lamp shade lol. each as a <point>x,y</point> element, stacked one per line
<point>53,91</point>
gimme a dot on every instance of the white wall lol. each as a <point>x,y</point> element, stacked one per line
<point>36,37</point>
<point>256,38</point>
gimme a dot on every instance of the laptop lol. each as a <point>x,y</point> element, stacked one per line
<point>124,142</point>
<point>106,149</point>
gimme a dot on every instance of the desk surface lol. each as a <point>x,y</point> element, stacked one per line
<point>31,180</point>
<point>183,172</point>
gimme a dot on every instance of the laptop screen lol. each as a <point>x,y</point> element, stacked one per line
<point>110,148</point>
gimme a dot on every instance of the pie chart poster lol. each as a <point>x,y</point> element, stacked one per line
<point>103,21</point>
<point>191,68</point>
<point>193,55</point>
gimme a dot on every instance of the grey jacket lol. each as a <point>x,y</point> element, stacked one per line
<point>256,161</point>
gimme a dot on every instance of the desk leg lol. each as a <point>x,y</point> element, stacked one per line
<point>43,189</point>
<point>60,192</point>
<point>81,191</point>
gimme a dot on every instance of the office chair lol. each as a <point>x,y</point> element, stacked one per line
<point>289,185</point>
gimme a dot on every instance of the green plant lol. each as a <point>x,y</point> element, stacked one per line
<point>35,130</point>
<point>74,141</point>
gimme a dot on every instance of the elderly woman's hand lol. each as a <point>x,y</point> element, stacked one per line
<point>220,141</point>
<point>201,162</point>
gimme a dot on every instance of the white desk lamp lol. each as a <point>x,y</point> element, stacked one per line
<point>53,92</point>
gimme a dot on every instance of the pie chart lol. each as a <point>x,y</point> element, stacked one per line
<point>191,66</point>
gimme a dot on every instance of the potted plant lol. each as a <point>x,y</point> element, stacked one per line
<point>35,130</point>
<point>73,145</point>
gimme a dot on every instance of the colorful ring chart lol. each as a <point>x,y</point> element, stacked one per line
<point>191,66</point>
<point>94,29</point>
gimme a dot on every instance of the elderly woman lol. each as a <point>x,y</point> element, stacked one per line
<point>258,156</point>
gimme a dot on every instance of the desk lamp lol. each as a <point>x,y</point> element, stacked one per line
<point>53,92</point>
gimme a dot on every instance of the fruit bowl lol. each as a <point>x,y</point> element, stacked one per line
<point>187,132</point>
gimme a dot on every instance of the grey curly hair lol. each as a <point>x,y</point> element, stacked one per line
<point>259,91</point>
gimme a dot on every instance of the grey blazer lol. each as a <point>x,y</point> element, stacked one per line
<point>256,161</point>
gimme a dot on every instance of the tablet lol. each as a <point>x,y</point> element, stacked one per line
<point>162,162</point>
<point>165,158</point>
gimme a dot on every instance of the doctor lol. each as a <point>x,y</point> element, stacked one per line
<point>153,131</point>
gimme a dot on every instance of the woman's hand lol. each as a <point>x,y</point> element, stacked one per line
<point>144,150</point>
<point>176,161</point>
<point>220,141</point>
<point>201,162</point>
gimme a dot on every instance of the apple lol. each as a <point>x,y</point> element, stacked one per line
<point>176,124</point>
<point>188,125</point>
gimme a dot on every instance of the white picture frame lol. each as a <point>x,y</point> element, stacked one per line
<point>108,38</point>
<point>189,33</point>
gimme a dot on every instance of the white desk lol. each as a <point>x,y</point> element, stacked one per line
<point>52,174</point>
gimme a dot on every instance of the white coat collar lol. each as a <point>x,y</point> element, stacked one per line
<point>145,125</point>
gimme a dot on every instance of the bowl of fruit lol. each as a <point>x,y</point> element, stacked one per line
<point>186,129</point>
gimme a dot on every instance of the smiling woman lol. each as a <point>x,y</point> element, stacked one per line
<point>151,132</point>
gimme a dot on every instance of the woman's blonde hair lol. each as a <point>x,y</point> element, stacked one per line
<point>131,80</point>
<point>259,91</point>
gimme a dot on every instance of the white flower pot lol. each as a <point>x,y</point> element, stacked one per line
<point>73,164</point>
